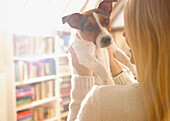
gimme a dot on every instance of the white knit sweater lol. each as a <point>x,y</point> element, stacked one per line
<point>122,102</point>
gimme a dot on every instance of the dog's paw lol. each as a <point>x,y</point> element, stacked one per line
<point>133,70</point>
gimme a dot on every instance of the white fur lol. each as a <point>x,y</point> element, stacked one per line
<point>85,52</point>
<point>103,32</point>
<point>118,53</point>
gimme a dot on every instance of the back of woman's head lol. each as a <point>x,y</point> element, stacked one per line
<point>147,26</point>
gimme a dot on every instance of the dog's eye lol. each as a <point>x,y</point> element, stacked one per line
<point>89,28</point>
<point>106,22</point>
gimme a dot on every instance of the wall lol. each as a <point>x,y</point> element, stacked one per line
<point>3,83</point>
<point>119,21</point>
<point>3,101</point>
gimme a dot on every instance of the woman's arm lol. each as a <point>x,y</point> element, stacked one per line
<point>83,82</point>
<point>81,85</point>
<point>91,107</point>
<point>120,77</point>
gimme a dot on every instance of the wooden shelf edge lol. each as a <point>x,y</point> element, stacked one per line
<point>52,119</point>
<point>32,58</point>
<point>36,103</point>
<point>64,74</point>
<point>35,80</point>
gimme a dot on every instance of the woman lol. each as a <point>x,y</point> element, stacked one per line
<point>147,26</point>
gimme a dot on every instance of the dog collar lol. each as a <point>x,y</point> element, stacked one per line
<point>78,36</point>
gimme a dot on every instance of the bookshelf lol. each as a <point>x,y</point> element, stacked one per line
<point>35,83</point>
<point>64,74</point>
<point>36,103</point>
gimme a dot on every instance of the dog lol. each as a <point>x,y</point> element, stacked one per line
<point>93,30</point>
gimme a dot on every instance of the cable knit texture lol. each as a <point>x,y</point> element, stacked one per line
<point>122,102</point>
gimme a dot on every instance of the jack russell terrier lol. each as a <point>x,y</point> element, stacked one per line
<point>93,30</point>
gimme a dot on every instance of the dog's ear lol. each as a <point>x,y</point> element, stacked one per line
<point>73,20</point>
<point>107,5</point>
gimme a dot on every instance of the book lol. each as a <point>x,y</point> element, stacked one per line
<point>65,94</point>
<point>26,70</point>
<point>37,114</point>
<point>25,97</point>
<point>23,89</point>
<point>21,70</point>
<point>33,93</point>
<point>25,118</point>
<point>37,91</point>
<point>16,71</point>
<point>24,113</point>
<point>24,101</point>
<point>22,94</point>
<point>20,45</point>
<point>65,90</point>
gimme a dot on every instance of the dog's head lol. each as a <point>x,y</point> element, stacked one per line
<point>94,25</point>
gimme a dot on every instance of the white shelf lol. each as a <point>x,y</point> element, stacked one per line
<point>52,119</point>
<point>36,103</point>
<point>35,80</point>
<point>64,74</point>
<point>65,114</point>
<point>63,55</point>
<point>34,58</point>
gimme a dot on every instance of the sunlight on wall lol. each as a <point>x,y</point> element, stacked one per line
<point>119,22</point>
<point>38,17</point>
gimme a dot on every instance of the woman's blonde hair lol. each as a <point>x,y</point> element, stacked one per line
<point>147,26</point>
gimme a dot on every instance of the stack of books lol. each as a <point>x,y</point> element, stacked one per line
<point>26,45</point>
<point>24,95</point>
<point>36,114</point>
<point>26,70</point>
<point>35,92</point>
<point>64,65</point>
<point>26,115</point>
<point>43,90</point>
<point>65,88</point>
<point>42,113</point>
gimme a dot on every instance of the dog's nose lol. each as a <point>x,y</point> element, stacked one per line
<point>106,41</point>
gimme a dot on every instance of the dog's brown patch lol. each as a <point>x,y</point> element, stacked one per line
<point>89,27</point>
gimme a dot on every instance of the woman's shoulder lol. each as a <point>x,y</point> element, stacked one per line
<point>119,92</point>
<point>121,89</point>
<point>124,100</point>
<point>121,101</point>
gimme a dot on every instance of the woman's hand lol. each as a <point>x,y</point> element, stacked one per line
<point>81,70</point>
<point>114,66</point>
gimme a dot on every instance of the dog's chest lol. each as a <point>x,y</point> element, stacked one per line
<point>103,57</point>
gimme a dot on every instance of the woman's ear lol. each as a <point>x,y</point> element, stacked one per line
<point>73,20</point>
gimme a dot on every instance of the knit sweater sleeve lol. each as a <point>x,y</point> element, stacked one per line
<point>108,102</point>
<point>123,79</point>
<point>89,110</point>
<point>81,85</point>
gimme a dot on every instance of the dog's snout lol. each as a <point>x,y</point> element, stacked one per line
<point>106,41</point>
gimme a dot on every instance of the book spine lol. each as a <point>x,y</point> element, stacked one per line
<point>25,97</point>
<point>21,71</point>
<point>28,116</point>
<point>24,113</point>
<point>23,101</point>
<point>23,89</point>
<point>22,94</point>
<point>16,71</point>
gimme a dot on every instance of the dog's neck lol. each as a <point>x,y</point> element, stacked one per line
<point>78,35</point>
<point>79,38</point>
